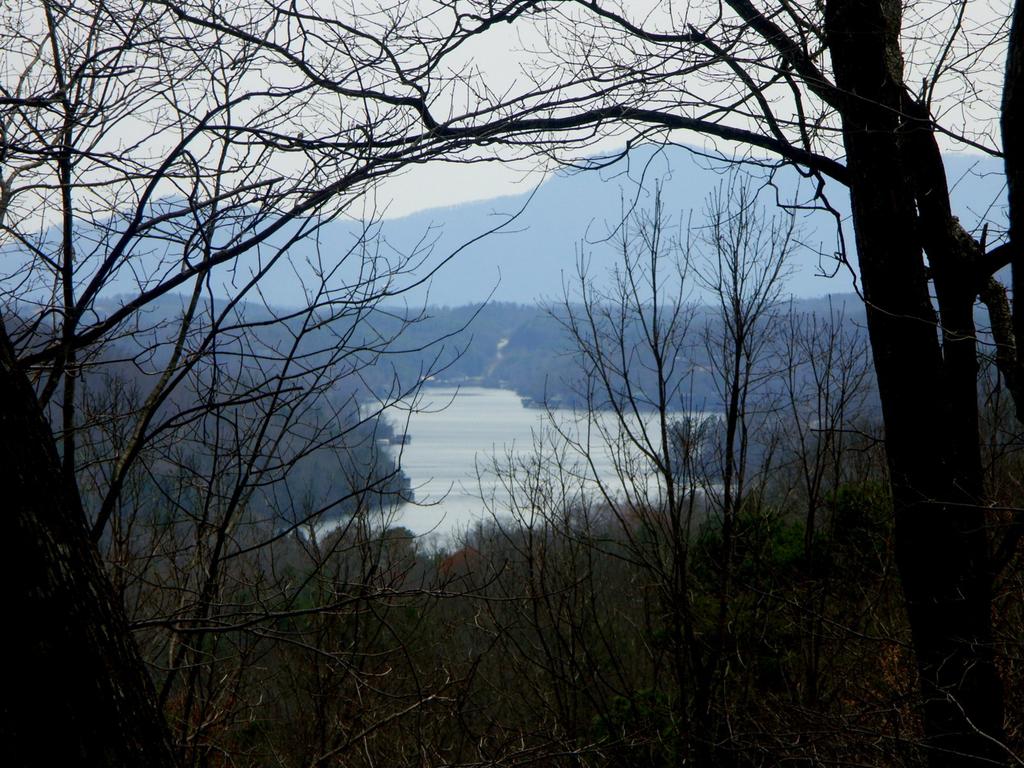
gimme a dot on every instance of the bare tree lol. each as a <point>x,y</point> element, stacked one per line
<point>165,148</point>
<point>645,574</point>
<point>675,472</point>
<point>825,378</point>
<point>859,95</point>
<point>163,142</point>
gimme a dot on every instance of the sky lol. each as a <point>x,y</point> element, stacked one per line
<point>442,185</point>
<point>502,55</point>
<point>965,97</point>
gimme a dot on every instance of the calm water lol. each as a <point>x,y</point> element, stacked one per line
<point>458,437</point>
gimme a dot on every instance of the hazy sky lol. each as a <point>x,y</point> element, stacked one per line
<point>439,185</point>
<point>965,99</point>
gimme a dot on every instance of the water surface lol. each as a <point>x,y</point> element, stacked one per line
<point>459,436</point>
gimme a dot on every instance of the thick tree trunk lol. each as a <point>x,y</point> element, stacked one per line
<point>1013,148</point>
<point>76,692</point>
<point>928,390</point>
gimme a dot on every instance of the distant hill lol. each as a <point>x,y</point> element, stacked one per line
<point>570,215</point>
<point>528,349</point>
<point>523,347</point>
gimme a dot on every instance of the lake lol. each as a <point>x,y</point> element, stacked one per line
<point>457,436</point>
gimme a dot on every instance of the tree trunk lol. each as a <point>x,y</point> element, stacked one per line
<point>928,389</point>
<point>76,692</point>
<point>1013,149</point>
